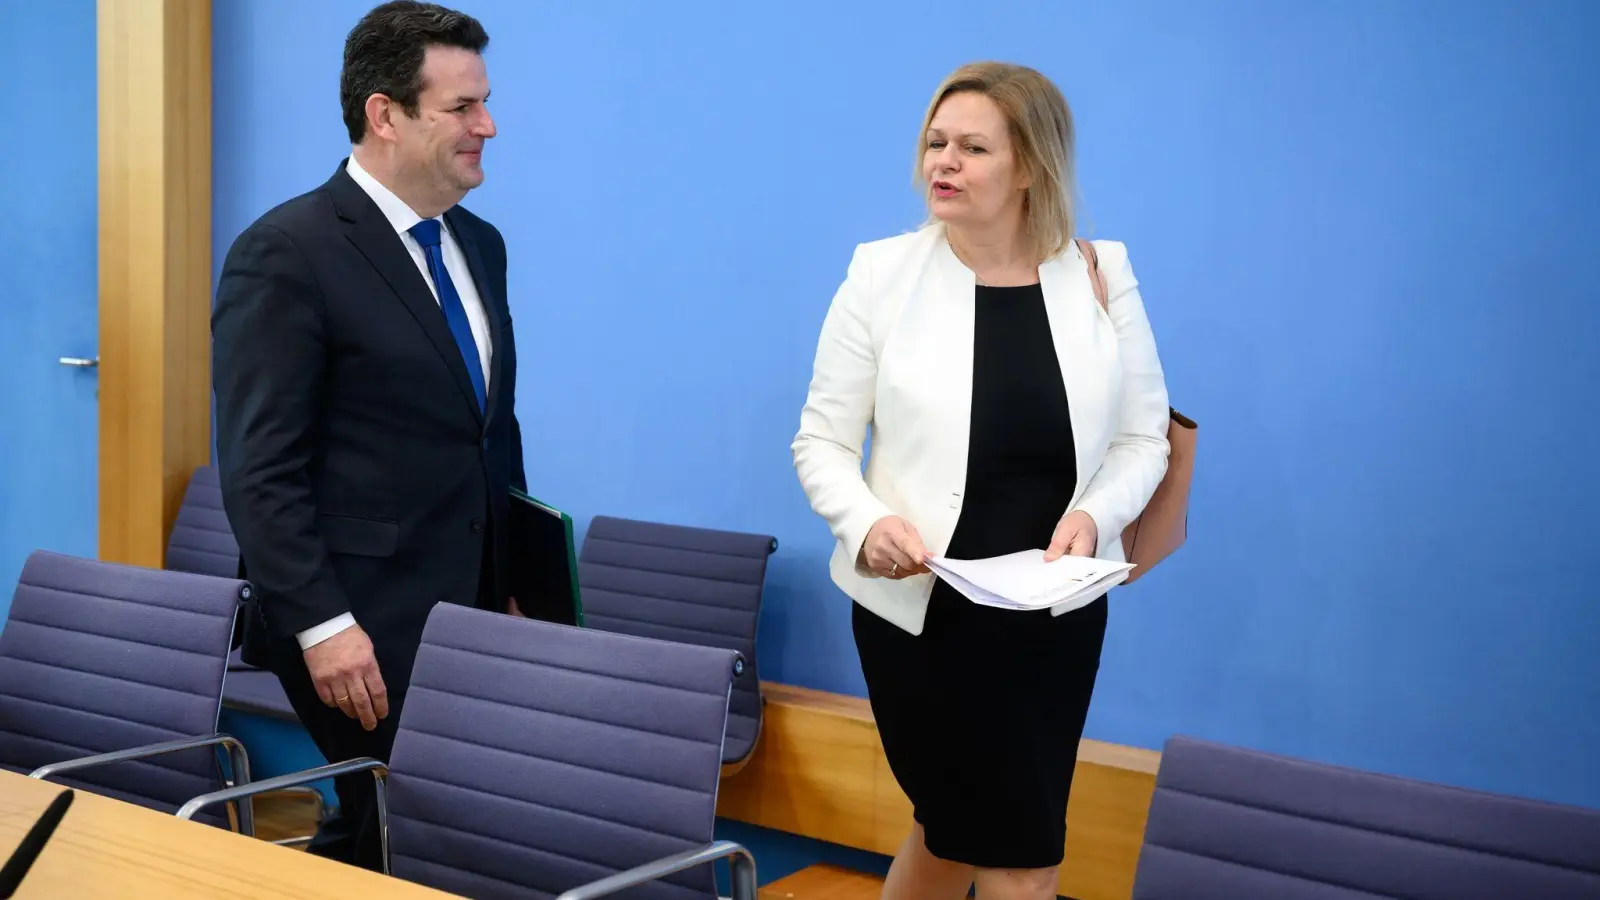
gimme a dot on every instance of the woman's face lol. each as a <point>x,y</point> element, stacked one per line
<point>968,163</point>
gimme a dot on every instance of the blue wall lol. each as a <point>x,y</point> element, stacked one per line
<point>1366,237</point>
<point>49,300</point>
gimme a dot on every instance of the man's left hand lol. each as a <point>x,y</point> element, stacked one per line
<point>512,609</point>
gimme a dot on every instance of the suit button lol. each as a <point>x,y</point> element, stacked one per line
<point>477,526</point>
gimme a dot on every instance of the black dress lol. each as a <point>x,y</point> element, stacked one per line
<point>980,715</point>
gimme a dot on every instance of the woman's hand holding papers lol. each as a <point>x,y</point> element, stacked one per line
<point>1076,535</point>
<point>894,550</point>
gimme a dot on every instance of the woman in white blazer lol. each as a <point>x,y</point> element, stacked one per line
<point>1008,412</point>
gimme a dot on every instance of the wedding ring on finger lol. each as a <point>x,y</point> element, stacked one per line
<point>894,569</point>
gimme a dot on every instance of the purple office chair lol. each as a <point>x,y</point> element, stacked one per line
<point>535,759</point>
<point>1240,824</point>
<point>112,675</point>
<point>202,540</point>
<point>678,583</point>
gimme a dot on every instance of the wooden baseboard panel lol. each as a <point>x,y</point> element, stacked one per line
<point>824,882</point>
<point>819,771</point>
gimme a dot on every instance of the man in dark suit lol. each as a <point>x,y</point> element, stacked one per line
<point>365,376</point>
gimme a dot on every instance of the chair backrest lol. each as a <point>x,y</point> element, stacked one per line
<point>1240,824</point>
<point>677,583</point>
<point>99,657</point>
<point>202,540</point>
<point>532,757</point>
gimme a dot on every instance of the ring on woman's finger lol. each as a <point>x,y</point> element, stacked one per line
<point>894,568</point>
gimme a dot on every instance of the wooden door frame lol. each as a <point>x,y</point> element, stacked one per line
<point>154,116</point>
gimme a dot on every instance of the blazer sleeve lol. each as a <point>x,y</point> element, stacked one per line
<point>499,260</point>
<point>838,408</point>
<point>1136,459</point>
<point>268,355</point>
<point>519,475</point>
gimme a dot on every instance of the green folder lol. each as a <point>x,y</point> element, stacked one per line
<point>543,562</point>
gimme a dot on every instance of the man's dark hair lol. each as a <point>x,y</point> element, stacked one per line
<point>383,55</point>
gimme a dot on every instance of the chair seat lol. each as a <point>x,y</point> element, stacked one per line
<point>534,757</point>
<point>258,691</point>
<point>683,583</point>
<point>1233,822</point>
<point>99,656</point>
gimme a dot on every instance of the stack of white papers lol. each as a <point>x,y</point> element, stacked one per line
<point>1025,581</point>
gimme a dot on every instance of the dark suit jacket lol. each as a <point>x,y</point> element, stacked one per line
<point>357,471</point>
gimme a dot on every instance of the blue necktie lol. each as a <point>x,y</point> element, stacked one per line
<point>455,315</point>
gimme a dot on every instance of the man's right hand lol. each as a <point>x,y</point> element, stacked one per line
<point>346,675</point>
<point>894,550</point>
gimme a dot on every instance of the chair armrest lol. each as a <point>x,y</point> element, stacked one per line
<point>379,771</point>
<point>742,865</point>
<point>235,748</point>
<point>237,756</point>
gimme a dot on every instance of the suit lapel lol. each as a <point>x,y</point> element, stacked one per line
<point>953,294</point>
<point>468,241</point>
<point>926,376</point>
<point>1082,352</point>
<point>371,233</point>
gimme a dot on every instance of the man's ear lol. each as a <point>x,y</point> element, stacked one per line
<point>381,110</point>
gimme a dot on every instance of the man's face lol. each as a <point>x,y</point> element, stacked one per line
<point>441,150</point>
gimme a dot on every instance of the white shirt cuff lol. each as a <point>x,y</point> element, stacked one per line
<point>316,634</point>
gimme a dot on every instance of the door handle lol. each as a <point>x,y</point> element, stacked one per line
<point>80,362</point>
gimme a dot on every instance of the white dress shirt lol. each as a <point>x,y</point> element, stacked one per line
<point>403,217</point>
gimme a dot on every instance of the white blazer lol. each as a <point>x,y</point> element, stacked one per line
<point>895,353</point>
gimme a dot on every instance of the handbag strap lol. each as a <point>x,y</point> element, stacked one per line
<point>1097,277</point>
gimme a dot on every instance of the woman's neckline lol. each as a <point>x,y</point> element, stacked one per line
<point>950,251</point>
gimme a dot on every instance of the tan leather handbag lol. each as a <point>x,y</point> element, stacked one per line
<point>1164,524</point>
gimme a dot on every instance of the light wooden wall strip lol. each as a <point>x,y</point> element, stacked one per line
<point>155,267</point>
<point>819,771</point>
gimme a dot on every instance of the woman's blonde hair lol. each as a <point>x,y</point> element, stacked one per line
<point>1040,124</point>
